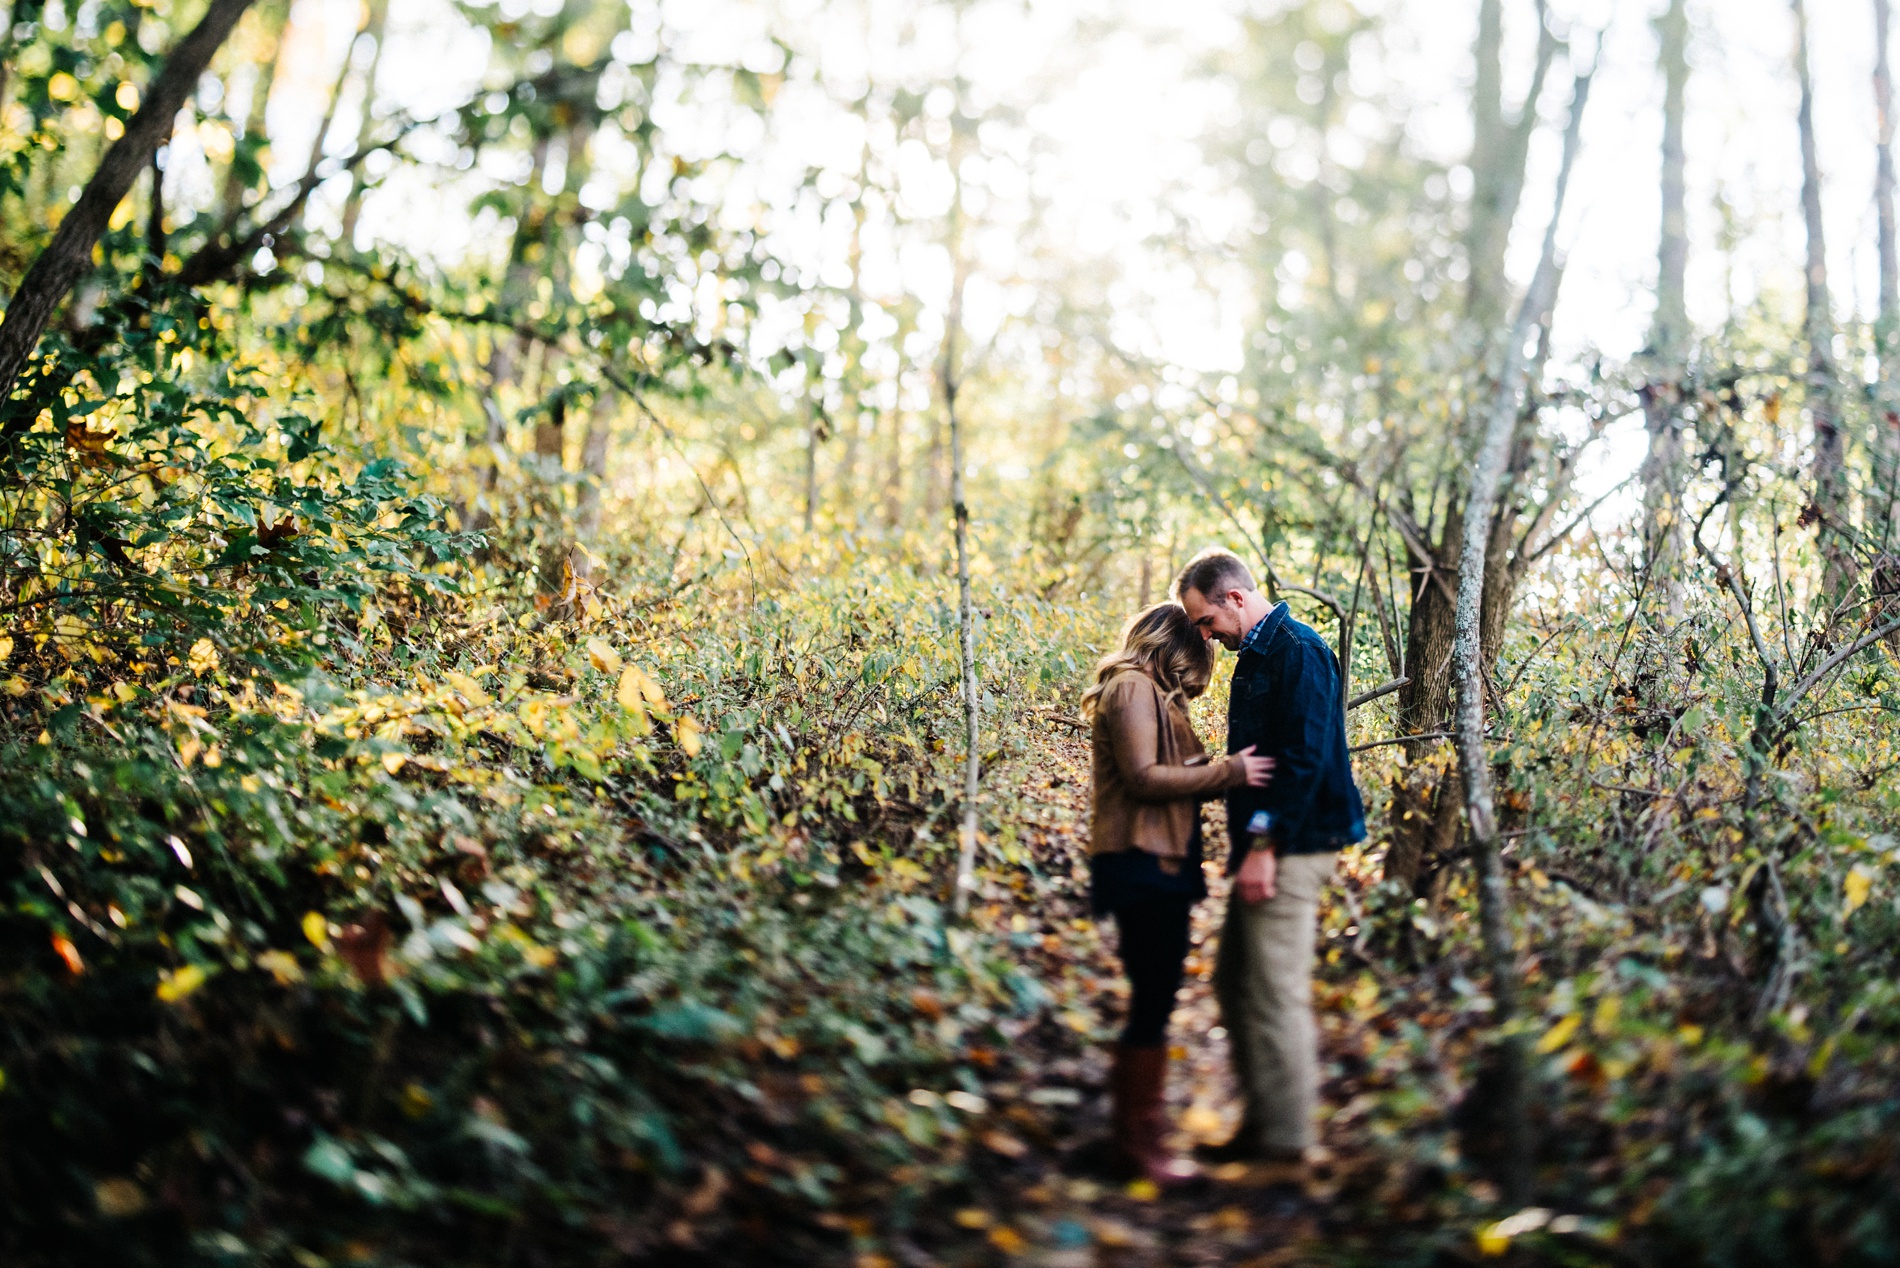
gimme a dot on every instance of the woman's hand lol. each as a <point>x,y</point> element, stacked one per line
<point>1259,770</point>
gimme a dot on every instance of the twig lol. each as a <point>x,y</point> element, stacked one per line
<point>1367,697</point>
<point>1556,538</point>
<point>1400,739</point>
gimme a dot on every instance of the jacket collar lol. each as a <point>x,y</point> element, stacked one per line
<point>1262,633</point>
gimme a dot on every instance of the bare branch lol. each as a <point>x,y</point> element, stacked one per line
<point>1384,689</point>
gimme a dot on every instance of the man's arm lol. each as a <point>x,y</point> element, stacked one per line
<point>1309,692</point>
<point>1258,877</point>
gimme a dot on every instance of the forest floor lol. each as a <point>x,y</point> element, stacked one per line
<point>1043,1197</point>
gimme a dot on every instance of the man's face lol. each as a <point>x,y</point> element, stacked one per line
<point>1220,619</point>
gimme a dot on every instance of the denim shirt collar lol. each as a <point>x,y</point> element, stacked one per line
<point>1262,633</point>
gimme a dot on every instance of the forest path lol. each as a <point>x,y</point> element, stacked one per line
<point>1044,1198</point>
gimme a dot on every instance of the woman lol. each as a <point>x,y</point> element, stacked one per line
<point>1150,775</point>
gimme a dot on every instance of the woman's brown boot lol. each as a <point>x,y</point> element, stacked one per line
<point>1138,1084</point>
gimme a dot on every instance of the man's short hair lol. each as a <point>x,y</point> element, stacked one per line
<point>1213,572</point>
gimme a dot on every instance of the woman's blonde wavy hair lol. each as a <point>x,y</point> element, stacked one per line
<point>1161,642</point>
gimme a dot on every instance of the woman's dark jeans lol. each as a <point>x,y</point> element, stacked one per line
<point>1153,949</point>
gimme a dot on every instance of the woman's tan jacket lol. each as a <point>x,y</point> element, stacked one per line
<point>1151,771</point>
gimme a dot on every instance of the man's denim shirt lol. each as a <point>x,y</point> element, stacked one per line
<point>1286,701</point>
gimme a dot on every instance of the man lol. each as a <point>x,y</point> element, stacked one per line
<point>1283,841</point>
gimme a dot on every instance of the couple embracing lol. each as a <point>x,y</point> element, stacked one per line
<point>1291,804</point>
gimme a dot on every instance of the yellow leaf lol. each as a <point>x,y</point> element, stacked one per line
<point>203,657</point>
<point>686,731</point>
<point>394,762</point>
<point>6,647</point>
<point>281,965</point>
<point>632,698</point>
<point>316,929</point>
<point>1559,1035</point>
<point>1604,1020</point>
<point>1491,1242</point>
<point>469,689</point>
<point>602,656</point>
<point>1859,885</point>
<point>973,1217</point>
<point>637,686</point>
<point>118,1198</point>
<point>1143,1190</point>
<point>1007,1240</point>
<point>175,984</point>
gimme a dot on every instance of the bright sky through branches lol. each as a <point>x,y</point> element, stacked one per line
<point>1105,160</point>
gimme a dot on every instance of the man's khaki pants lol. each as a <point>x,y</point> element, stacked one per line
<point>1263,976</point>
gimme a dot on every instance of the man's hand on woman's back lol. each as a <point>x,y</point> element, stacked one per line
<point>1259,770</point>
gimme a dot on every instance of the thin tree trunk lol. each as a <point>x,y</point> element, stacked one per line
<point>1828,471</point>
<point>374,29</point>
<point>966,615</point>
<point>155,215</point>
<point>594,450</point>
<point>814,437</point>
<point>1499,146</point>
<point>550,444</point>
<point>1884,517</point>
<point>894,473</point>
<point>1425,811</point>
<point>1494,901</point>
<point>1668,341</point>
<point>68,256</point>
<point>509,348</point>
<point>844,478</point>
<point>231,191</point>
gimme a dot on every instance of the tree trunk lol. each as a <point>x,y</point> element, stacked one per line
<point>1828,472</point>
<point>1424,813</point>
<point>1499,146</point>
<point>894,471</point>
<point>815,436</point>
<point>509,347</point>
<point>1669,335</point>
<point>1422,806</point>
<point>231,190</point>
<point>960,512</point>
<point>550,444</point>
<point>1884,515</point>
<point>1469,669</point>
<point>69,254</point>
<point>374,29</point>
<point>594,449</point>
